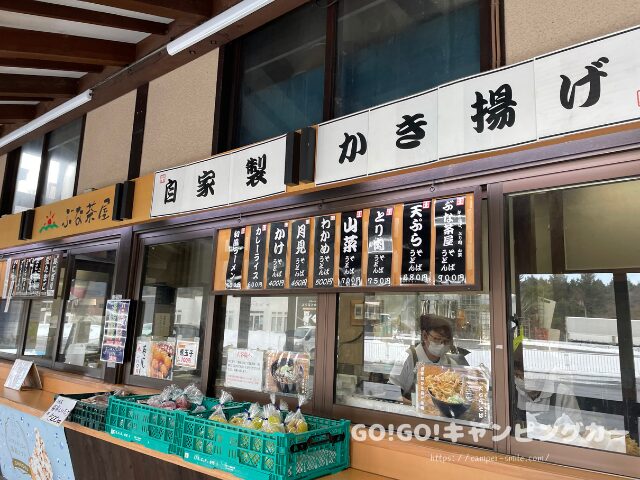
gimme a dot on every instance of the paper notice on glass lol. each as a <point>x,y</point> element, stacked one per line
<point>187,354</point>
<point>59,410</point>
<point>142,357</point>
<point>244,369</point>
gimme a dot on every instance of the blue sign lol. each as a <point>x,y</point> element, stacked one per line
<point>32,449</point>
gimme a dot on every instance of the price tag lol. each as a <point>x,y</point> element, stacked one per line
<point>187,354</point>
<point>59,410</point>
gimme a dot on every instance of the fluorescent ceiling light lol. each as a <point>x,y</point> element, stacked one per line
<point>47,117</point>
<point>215,24</point>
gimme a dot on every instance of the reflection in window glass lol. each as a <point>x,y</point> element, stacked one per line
<point>282,67</point>
<point>62,155</point>
<point>28,173</point>
<point>392,48</point>
<point>91,286</point>
<point>10,326</point>
<point>576,323</point>
<point>383,339</point>
<point>176,282</point>
<point>42,323</point>
<point>277,332</point>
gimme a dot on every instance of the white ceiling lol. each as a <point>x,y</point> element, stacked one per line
<point>41,71</point>
<point>103,8</point>
<point>53,25</point>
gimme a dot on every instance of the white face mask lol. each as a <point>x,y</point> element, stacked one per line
<point>437,350</point>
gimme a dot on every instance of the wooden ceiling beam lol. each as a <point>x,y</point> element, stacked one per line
<point>50,65</point>
<point>195,9</point>
<point>28,86</point>
<point>63,12</point>
<point>30,44</point>
<point>17,113</point>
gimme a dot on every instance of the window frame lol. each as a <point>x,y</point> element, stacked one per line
<point>13,162</point>
<point>621,166</point>
<point>226,115</point>
<point>158,237</point>
<point>118,240</point>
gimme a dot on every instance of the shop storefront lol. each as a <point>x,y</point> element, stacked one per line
<point>472,279</point>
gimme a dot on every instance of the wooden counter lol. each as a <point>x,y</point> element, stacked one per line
<point>370,460</point>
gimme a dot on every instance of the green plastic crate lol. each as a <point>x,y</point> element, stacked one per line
<point>252,454</point>
<point>152,427</point>
<point>87,414</point>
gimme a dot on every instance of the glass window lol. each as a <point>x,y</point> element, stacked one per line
<point>420,354</point>
<point>278,335</point>
<point>576,314</point>
<point>28,174</point>
<point>175,289</point>
<point>282,74</point>
<point>10,322</point>
<point>393,48</point>
<point>62,160</point>
<point>91,286</point>
<point>42,323</point>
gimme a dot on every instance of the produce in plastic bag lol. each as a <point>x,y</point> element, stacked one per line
<point>193,394</point>
<point>218,412</point>
<point>271,419</point>
<point>253,423</point>
<point>183,403</point>
<point>239,418</point>
<point>295,421</point>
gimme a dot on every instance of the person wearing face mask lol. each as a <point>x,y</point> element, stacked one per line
<point>436,347</point>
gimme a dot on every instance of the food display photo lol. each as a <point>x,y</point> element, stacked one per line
<point>456,392</point>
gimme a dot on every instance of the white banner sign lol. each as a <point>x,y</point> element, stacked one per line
<point>252,172</point>
<point>343,149</point>
<point>404,133</point>
<point>489,111</point>
<point>244,369</point>
<point>258,171</point>
<point>589,86</point>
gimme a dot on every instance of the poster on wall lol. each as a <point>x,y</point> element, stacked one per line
<point>299,264</point>
<point>34,277</point>
<point>114,337</point>
<point>277,261</point>
<point>379,247</point>
<point>287,373</point>
<point>416,243</point>
<point>244,369</point>
<point>233,280</point>
<point>31,449</point>
<point>350,269</point>
<point>451,225</point>
<point>323,263</point>
<point>257,249</point>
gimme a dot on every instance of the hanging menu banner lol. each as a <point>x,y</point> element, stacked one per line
<point>299,266</point>
<point>35,277</point>
<point>323,264</point>
<point>434,247</point>
<point>257,249</point>
<point>450,224</point>
<point>380,247</point>
<point>416,243</point>
<point>350,273</point>
<point>276,267</point>
<point>233,280</point>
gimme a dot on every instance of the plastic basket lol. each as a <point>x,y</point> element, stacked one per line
<point>252,454</point>
<point>152,427</point>
<point>87,414</point>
